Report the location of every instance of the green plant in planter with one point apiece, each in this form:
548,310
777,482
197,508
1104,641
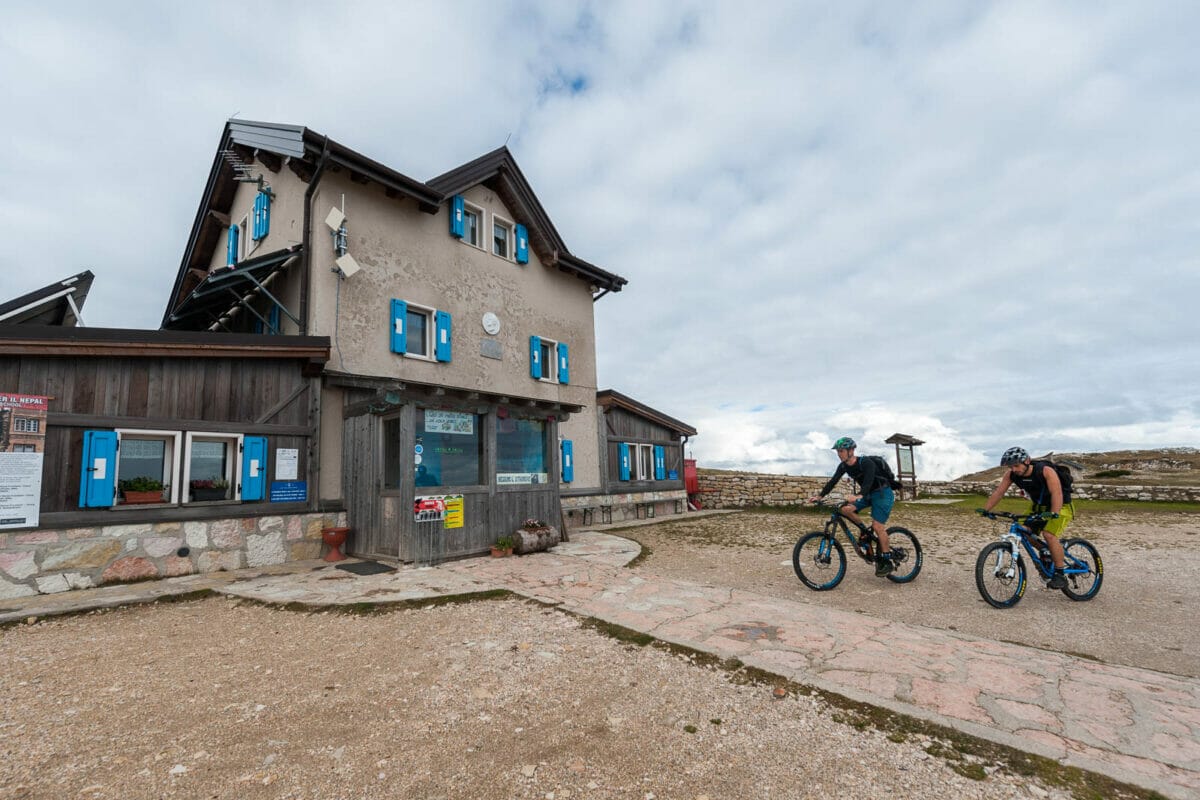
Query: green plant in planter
209,484
504,543
141,485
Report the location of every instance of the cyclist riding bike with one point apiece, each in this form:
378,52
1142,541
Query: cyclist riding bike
875,492
1041,484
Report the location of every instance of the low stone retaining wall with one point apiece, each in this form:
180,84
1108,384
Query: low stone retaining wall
46,561
597,509
749,489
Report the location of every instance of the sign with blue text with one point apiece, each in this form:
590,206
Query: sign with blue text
289,491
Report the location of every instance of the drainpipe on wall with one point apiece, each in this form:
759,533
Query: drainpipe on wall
308,195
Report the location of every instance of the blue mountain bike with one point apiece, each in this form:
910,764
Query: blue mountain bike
1000,569
820,560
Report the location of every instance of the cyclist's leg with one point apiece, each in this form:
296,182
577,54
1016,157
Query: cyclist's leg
850,511
882,501
1054,531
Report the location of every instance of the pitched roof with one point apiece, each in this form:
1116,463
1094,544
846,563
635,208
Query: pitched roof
58,303
306,152
608,397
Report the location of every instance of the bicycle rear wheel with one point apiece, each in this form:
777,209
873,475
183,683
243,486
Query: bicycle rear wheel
906,555
1081,553
819,561
1000,578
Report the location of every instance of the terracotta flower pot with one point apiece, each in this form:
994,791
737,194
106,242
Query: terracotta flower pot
501,552
335,538
132,498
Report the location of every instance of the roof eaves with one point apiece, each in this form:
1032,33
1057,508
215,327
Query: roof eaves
606,397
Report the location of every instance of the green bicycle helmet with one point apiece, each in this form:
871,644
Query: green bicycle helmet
845,443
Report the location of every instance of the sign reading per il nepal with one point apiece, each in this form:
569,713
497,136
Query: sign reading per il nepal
289,491
22,444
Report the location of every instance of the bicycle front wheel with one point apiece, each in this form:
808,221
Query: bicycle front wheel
1082,555
999,577
819,561
906,555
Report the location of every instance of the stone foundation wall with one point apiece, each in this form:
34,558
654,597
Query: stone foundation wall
46,561
749,489
601,509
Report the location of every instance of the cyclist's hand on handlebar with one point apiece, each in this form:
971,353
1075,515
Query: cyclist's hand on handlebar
983,512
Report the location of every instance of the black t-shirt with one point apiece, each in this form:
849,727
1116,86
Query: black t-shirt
1035,487
862,472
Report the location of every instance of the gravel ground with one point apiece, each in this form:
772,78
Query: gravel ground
217,698
1144,615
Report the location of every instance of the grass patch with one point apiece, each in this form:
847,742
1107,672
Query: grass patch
1018,506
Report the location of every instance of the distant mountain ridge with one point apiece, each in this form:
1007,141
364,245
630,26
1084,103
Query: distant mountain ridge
1169,466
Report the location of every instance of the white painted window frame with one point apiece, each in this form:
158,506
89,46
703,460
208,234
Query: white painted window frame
234,471
430,314
511,227
173,453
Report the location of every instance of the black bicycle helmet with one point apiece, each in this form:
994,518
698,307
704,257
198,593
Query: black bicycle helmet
1014,455
845,443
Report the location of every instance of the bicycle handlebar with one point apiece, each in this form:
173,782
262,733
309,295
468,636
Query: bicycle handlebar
1038,517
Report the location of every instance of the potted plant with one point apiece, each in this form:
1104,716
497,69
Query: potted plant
141,490
503,547
203,489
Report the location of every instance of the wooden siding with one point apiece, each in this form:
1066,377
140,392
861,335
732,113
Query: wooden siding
261,397
618,425
381,520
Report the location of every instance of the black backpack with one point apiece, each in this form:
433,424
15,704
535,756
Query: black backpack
1065,477
884,470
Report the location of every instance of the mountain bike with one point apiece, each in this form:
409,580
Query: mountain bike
820,560
1000,568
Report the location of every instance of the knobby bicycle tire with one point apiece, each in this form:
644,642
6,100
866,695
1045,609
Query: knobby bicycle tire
986,572
807,555
1083,587
907,556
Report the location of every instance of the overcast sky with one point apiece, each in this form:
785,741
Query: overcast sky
976,223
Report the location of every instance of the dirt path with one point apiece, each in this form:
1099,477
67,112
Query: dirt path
1144,615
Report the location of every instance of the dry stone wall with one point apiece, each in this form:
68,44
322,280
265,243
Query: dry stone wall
47,561
750,489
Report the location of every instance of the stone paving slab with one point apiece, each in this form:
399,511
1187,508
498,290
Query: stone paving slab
1135,725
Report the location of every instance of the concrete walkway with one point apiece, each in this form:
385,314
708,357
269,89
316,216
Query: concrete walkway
1134,725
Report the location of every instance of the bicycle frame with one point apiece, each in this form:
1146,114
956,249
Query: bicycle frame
1023,535
839,521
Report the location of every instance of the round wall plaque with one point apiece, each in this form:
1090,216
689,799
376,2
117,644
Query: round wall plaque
491,323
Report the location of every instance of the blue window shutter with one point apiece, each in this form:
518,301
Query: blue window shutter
564,372
522,245
399,321
623,456
442,347
255,215
273,319
97,474
568,461
254,467
265,216
457,206
231,247
660,463
535,357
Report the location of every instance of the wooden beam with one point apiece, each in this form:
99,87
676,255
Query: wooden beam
356,177
270,160
222,219
302,169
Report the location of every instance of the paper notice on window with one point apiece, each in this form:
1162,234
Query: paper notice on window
287,461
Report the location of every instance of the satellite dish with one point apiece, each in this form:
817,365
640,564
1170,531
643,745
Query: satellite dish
335,218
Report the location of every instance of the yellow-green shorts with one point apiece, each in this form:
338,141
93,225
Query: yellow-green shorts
1057,526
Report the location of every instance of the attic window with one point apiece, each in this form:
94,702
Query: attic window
502,237
472,225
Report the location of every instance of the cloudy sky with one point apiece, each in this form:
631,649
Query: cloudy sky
977,223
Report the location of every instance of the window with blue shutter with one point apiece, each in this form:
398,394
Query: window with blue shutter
231,247
623,457
97,477
522,245
254,467
442,329
535,357
399,317
568,461
660,463
273,319
262,215
456,216
563,370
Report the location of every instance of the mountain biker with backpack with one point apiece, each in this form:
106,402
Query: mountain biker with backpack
873,476
1048,487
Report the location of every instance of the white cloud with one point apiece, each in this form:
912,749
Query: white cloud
975,224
